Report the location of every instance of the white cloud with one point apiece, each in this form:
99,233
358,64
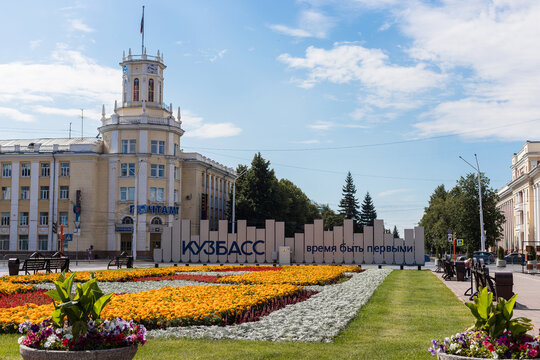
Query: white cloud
493,47
73,113
307,142
69,74
392,192
34,44
311,23
196,127
78,25
327,125
15,114
347,62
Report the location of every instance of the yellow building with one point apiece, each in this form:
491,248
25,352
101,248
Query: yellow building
117,192
520,200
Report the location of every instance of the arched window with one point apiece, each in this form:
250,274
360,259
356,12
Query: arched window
136,89
151,90
156,221
127,220
160,92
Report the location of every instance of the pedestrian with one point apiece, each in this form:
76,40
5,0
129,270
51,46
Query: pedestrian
90,253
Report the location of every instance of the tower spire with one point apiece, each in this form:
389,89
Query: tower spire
142,31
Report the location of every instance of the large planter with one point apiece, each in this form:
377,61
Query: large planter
501,263
457,357
531,266
122,353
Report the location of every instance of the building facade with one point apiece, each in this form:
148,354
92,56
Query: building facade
519,200
116,192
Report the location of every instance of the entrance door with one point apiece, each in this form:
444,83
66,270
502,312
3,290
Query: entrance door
155,240
125,242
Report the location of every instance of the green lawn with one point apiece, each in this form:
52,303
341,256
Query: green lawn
405,313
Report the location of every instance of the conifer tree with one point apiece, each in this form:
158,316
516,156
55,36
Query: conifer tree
396,232
368,213
348,206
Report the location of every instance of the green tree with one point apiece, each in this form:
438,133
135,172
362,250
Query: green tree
437,220
348,206
395,232
297,208
330,218
368,213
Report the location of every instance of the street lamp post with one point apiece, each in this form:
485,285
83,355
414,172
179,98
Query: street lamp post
234,201
482,233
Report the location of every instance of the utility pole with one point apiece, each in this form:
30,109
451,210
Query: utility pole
482,233
82,123
70,129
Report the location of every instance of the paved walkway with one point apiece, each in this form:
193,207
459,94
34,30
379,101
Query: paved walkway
526,286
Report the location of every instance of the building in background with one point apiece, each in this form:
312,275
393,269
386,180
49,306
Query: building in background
116,192
519,200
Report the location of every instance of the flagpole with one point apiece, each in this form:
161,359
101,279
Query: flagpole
142,30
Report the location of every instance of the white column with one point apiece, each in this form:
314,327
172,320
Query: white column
34,213
114,142
220,192
143,141
170,189
171,144
209,201
111,208
14,223
142,200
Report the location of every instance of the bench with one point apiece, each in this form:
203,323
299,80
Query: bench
38,263
61,264
480,278
33,264
449,270
122,260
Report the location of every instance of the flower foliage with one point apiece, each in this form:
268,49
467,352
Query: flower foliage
479,344
99,336
37,297
297,275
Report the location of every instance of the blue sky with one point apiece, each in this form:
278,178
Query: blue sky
393,91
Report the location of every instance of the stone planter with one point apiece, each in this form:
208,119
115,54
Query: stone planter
457,357
501,263
123,353
531,266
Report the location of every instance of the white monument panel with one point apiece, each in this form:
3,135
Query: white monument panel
204,237
318,241
194,258
232,258
378,241
308,242
212,256
419,245
166,244
388,244
338,243
270,240
409,243
358,242
368,244
222,230
348,240
242,227
328,243
251,235
176,245
289,241
399,257
186,238
280,234
299,249
260,236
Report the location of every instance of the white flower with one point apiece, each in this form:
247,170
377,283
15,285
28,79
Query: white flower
50,340
68,336
454,346
495,355
21,339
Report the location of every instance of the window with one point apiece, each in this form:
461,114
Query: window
64,169
25,192
4,242
4,220
23,219
45,170
127,220
157,170
43,218
127,169
128,146
136,89
25,169
6,193
176,173
151,90
23,242
63,217
127,193
6,170
44,193
156,194
175,195
43,241
64,192
156,221
157,147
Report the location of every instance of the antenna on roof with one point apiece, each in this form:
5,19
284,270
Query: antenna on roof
70,129
82,123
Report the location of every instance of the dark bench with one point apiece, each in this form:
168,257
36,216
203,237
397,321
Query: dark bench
33,264
122,260
480,278
449,270
37,262
57,264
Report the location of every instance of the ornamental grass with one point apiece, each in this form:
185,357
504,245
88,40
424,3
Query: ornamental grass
296,275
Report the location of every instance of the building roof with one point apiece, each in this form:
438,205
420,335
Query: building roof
87,144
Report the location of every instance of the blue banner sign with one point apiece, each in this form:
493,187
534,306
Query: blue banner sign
221,247
124,228
155,209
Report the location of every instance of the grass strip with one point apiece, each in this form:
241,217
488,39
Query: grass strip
404,314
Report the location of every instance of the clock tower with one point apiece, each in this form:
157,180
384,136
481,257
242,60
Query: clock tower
142,80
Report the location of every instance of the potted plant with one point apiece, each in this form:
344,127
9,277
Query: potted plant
495,335
500,257
75,329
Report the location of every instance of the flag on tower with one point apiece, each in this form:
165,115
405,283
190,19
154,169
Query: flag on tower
142,21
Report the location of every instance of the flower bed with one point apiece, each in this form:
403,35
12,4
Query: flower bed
37,297
7,288
317,319
297,275
186,277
